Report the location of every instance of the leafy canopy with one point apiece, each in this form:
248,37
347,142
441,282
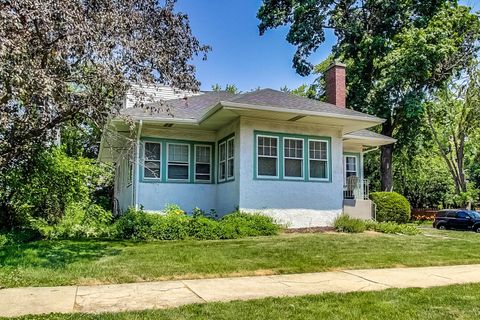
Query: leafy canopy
61,61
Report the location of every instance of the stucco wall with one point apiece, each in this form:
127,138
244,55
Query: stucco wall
295,203
154,196
227,193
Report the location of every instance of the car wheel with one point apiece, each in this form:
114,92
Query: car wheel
476,229
441,227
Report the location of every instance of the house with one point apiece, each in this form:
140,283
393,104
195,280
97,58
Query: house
296,159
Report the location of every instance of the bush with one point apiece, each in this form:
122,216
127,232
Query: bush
392,228
391,206
240,224
344,223
139,225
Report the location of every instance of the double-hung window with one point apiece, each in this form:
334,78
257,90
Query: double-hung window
293,158
318,159
152,160
230,158
203,163
222,161
178,161
226,162
267,156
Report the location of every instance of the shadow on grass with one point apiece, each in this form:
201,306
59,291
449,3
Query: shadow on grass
55,254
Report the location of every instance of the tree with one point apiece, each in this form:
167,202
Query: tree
396,53
230,88
67,61
453,119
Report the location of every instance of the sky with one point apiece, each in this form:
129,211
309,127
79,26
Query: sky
239,54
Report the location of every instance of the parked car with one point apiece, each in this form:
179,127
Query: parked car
457,219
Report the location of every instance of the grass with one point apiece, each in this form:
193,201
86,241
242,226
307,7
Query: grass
51,263
451,302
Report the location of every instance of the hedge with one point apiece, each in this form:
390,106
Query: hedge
391,206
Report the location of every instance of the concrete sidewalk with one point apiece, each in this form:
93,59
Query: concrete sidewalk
165,294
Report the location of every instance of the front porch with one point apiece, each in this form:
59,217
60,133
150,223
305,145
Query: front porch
356,202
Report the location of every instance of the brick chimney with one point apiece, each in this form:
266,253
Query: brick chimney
335,84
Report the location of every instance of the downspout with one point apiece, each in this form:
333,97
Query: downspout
137,164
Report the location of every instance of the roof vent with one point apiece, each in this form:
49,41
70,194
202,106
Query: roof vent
296,118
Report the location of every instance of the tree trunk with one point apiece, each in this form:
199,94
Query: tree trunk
386,175
386,158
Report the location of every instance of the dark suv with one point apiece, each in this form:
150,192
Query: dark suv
457,219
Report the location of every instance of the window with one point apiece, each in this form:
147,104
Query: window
318,159
178,159
226,160
222,161
293,158
203,163
462,215
230,159
350,166
267,156
151,168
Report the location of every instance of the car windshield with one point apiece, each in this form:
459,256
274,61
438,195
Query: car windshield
474,214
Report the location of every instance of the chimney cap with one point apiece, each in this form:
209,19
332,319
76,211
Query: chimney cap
336,63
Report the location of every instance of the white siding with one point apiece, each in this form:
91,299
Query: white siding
156,93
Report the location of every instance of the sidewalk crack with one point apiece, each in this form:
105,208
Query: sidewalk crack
369,280
191,290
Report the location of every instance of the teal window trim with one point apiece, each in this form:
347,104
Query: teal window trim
163,164
329,173
280,154
195,163
151,179
189,162
225,140
279,164
303,171
358,162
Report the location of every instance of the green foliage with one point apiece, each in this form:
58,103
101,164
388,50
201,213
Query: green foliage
139,225
344,223
53,183
173,209
397,53
392,228
391,206
80,222
240,224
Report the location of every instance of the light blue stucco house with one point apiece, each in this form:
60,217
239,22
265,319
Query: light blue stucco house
296,159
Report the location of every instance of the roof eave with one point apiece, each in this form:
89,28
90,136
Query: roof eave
236,105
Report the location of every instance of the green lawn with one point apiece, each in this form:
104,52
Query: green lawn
452,302
47,263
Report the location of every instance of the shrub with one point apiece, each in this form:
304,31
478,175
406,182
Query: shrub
392,228
79,222
391,206
344,223
139,225
240,224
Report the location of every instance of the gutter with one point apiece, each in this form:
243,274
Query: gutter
370,150
137,164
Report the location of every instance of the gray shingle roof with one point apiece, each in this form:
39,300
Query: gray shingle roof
196,107
369,135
